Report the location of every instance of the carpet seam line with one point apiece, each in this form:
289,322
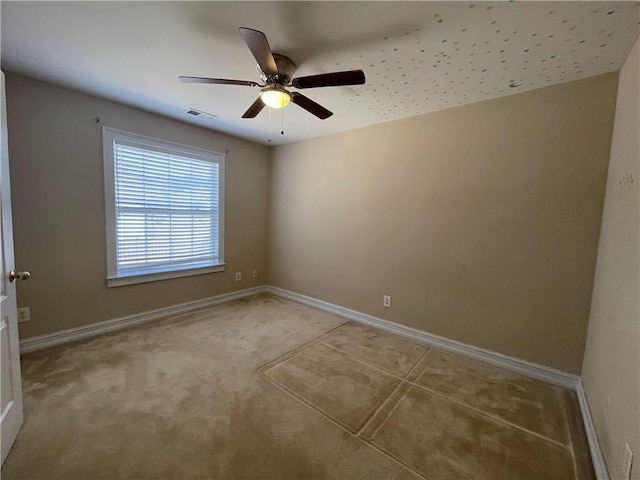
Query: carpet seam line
360,360
381,449
417,371
382,405
392,457
463,404
435,392
505,423
415,367
309,404
391,412
458,402
406,377
339,425
377,410
300,348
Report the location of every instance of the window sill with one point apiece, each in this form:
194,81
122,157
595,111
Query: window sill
154,277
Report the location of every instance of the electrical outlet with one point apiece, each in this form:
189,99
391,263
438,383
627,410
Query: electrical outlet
255,272
607,409
386,301
24,314
627,462
238,276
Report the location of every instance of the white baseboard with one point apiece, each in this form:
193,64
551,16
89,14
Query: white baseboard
597,458
524,367
529,369
72,334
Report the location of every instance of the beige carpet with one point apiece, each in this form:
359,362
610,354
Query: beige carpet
267,388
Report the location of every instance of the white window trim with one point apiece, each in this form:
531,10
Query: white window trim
109,135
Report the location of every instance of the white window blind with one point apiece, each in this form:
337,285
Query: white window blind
166,207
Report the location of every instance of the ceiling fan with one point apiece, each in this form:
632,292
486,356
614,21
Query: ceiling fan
276,71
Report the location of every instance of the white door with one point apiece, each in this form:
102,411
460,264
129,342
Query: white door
11,385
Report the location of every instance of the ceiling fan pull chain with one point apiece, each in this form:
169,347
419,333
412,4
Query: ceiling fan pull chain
276,72
282,125
269,127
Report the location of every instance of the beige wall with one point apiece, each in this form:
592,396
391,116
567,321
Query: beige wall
481,221
612,355
55,149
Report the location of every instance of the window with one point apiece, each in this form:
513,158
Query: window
164,207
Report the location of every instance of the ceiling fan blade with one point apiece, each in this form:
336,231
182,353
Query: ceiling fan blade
311,106
218,81
336,79
255,108
257,43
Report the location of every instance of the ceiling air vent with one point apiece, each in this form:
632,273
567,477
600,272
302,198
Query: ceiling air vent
200,113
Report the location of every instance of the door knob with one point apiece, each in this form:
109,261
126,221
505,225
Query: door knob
13,275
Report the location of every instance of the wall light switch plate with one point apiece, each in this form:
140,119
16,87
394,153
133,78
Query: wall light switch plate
255,272
386,301
24,314
238,276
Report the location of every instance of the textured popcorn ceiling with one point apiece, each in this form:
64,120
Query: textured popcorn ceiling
418,57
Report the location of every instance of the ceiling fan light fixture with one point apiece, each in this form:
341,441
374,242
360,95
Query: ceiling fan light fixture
276,71
275,97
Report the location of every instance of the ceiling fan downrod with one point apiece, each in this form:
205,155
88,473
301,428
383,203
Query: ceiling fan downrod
276,71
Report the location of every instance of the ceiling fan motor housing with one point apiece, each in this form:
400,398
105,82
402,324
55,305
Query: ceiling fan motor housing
286,69
276,71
